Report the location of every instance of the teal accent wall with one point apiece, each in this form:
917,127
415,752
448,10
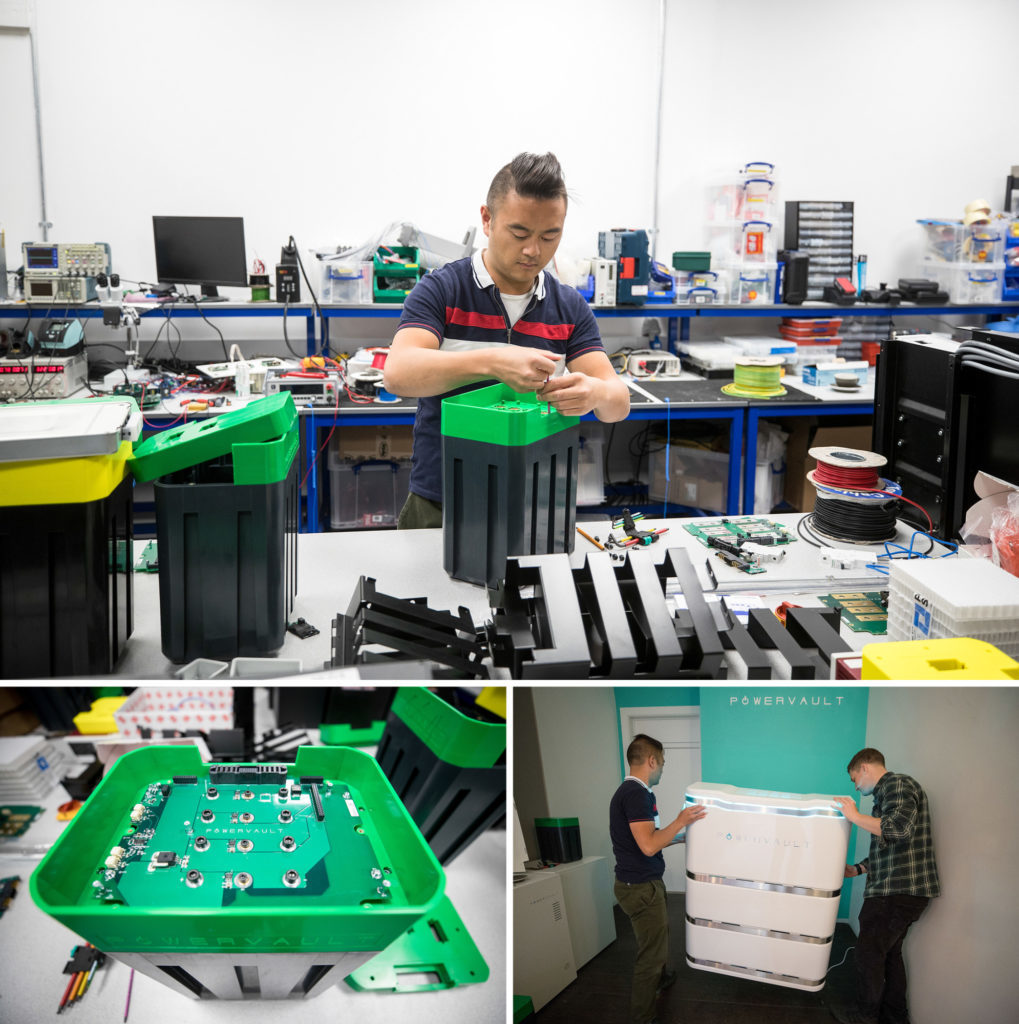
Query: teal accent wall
792,739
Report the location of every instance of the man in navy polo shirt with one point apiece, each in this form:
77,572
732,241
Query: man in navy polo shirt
499,316
637,842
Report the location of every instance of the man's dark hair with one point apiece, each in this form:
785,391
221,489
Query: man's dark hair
641,748
866,756
530,175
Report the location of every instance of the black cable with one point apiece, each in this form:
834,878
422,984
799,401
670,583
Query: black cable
286,337
197,304
870,523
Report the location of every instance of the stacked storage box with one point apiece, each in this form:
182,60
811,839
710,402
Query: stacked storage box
817,339
967,261
743,235
765,872
66,530
227,508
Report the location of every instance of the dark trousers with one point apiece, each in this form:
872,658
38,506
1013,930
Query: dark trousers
419,514
880,971
644,904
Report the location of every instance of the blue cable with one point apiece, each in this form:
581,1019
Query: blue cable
668,442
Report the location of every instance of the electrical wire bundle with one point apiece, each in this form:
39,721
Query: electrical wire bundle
756,377
854,505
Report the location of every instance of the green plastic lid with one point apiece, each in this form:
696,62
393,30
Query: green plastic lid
500,415
266,419
448,733
557,822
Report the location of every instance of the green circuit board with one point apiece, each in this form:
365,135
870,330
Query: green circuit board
863,612
739,529
245,836
726,537
16,818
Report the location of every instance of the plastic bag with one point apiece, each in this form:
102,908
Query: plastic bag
1005,535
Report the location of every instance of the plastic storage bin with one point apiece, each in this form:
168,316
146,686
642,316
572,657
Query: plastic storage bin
393,280
951,241
447,765
66,527
954,597
227,508
366,494
509,481
558,839
207,931
765,875
347,282
968,282
755,284
176,707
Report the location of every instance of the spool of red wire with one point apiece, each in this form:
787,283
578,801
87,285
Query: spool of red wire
847,468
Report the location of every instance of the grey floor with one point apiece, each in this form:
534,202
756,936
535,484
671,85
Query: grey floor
602,989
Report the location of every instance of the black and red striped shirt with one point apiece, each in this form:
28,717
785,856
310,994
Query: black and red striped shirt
460,304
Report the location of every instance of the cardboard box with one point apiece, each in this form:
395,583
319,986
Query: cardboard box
806,434
356,443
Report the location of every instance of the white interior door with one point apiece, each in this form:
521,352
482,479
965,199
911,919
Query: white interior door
678,729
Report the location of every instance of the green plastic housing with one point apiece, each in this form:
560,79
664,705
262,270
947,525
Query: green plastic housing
695,261
448,733
270,423
500,415
66,873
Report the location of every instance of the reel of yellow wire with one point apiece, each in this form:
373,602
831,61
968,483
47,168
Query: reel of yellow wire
756,377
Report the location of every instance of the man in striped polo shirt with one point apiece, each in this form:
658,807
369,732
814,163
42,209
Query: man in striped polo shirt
902,878
499,316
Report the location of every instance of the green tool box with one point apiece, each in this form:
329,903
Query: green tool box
227,514
244,881
509,481
448,765
392,281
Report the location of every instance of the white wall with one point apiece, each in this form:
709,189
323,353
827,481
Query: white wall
578,732
327,119
960,744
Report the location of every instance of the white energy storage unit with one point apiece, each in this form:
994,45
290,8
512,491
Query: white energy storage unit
764,875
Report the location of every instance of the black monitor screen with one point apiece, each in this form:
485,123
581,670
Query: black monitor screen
200,250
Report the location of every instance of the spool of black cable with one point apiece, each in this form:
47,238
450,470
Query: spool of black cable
857,522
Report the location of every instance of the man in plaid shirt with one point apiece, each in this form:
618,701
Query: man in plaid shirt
902,877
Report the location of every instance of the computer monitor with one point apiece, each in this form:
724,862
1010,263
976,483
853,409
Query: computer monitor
206,251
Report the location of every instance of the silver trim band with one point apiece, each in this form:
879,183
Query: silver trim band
767,933
751,972
795,812
746,883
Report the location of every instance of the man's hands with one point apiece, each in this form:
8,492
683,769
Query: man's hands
852,871
689,815
847,805
523,369
573,394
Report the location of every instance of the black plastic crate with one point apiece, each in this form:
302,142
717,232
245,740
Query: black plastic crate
227,562
65,586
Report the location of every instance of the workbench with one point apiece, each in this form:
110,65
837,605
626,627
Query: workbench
409,564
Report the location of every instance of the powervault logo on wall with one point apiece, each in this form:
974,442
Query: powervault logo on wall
792,700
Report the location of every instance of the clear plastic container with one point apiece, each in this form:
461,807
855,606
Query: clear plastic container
755,284
968,282
757,241
951,241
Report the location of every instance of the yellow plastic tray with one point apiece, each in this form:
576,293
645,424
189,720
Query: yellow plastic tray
63,481
949,658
